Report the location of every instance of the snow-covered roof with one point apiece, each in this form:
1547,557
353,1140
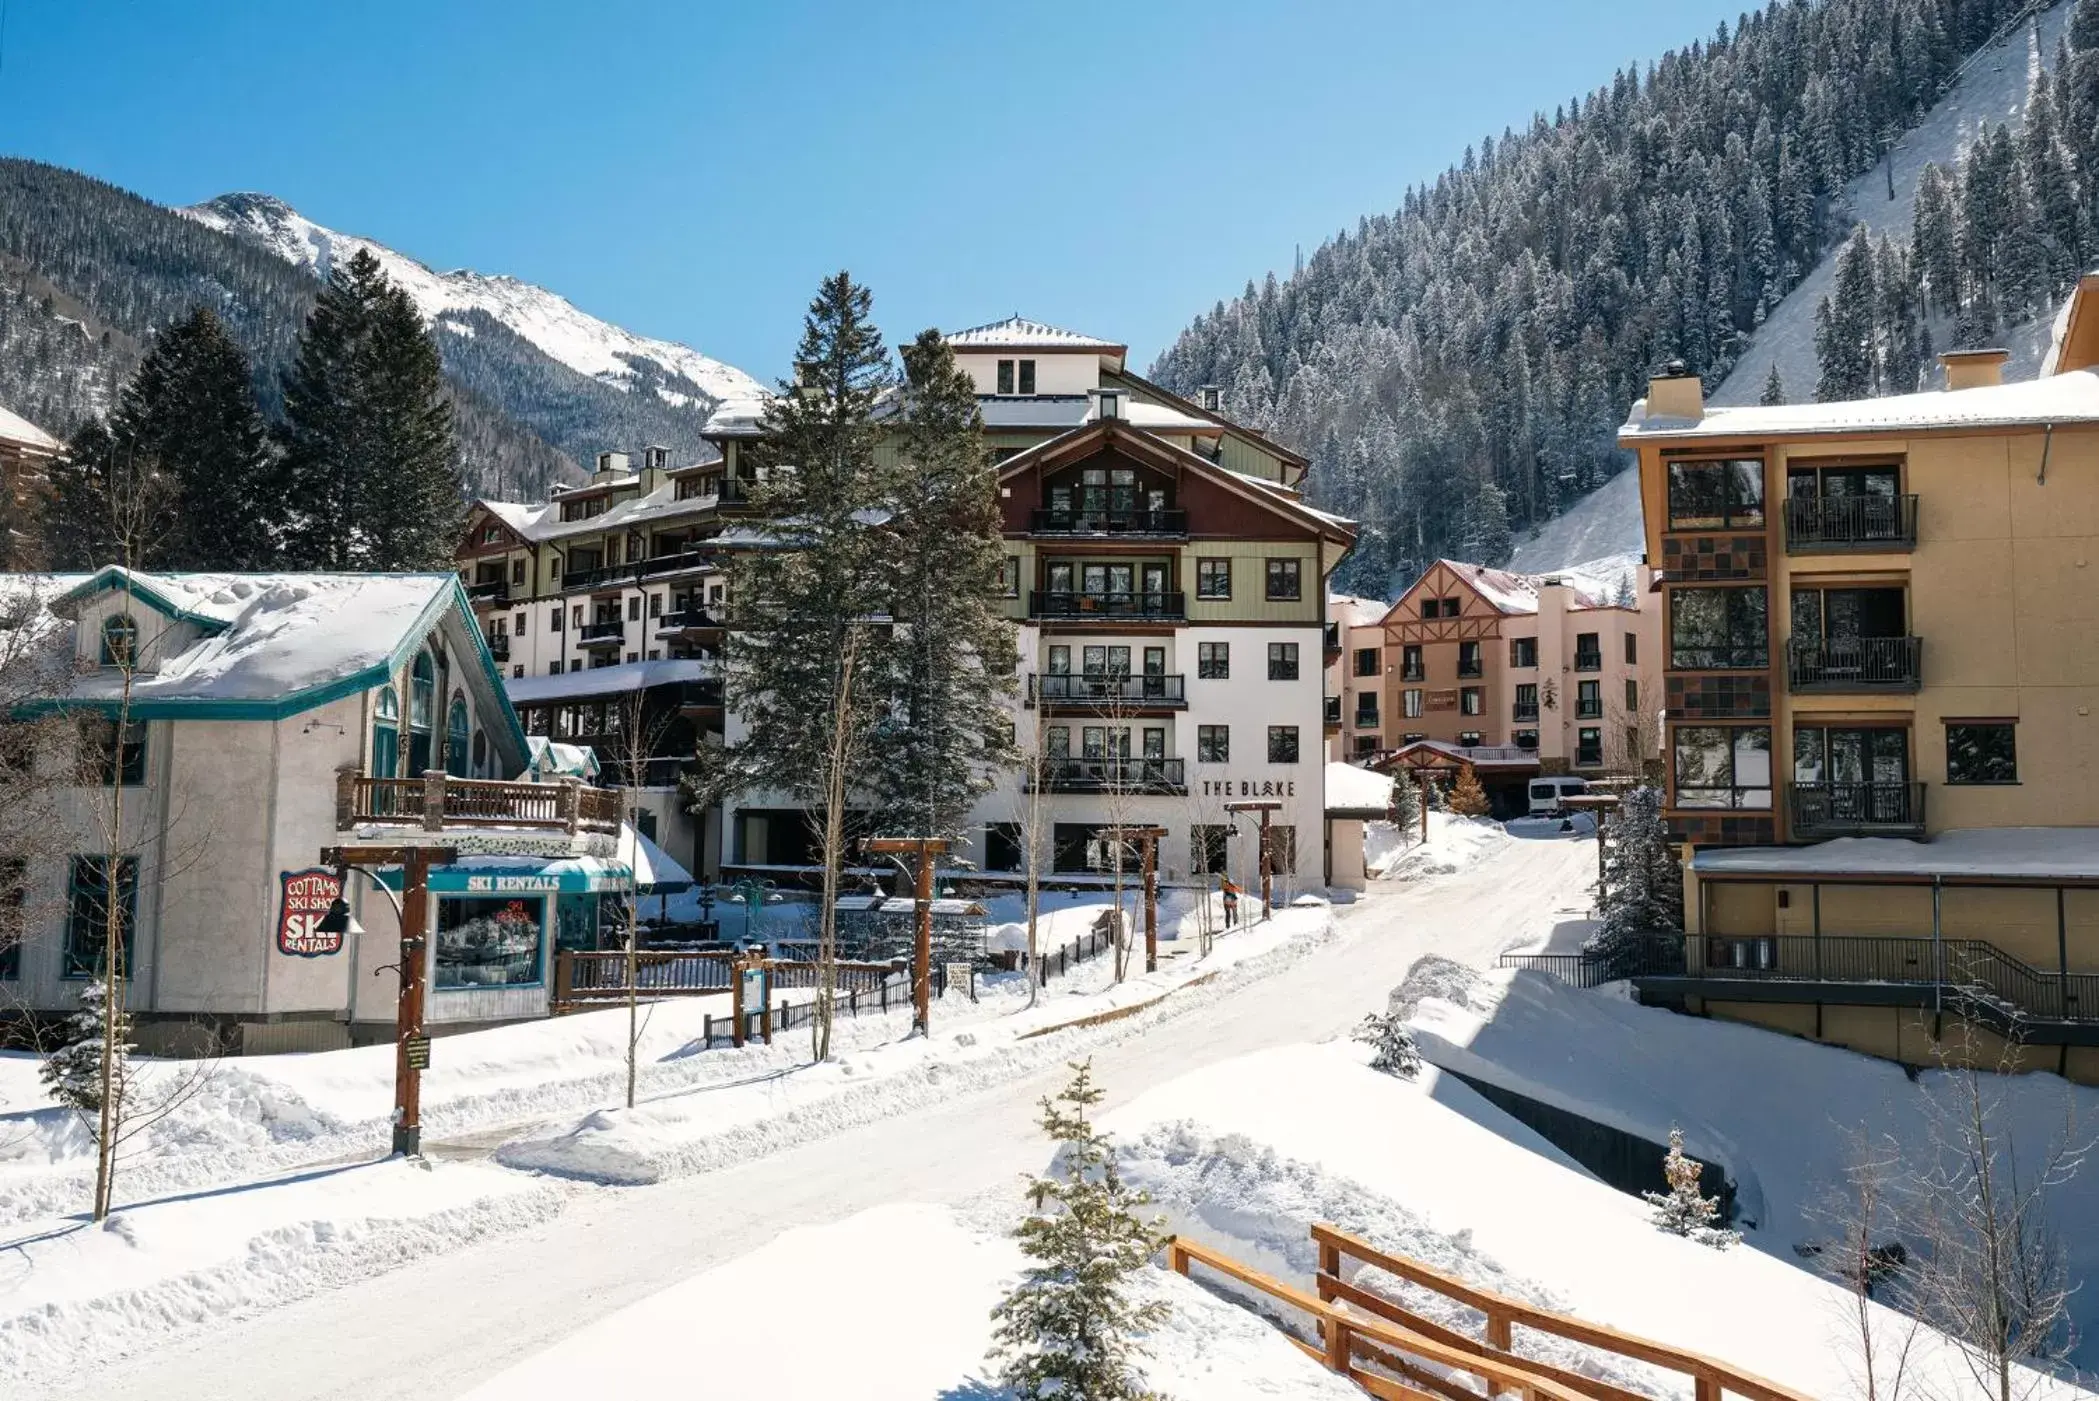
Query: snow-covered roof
538,521
1484,756
1019,332
1509,592
655,873
553,760
1351,611
1062,411
742,416
606,680
2055,399
20,432
1352,792
2022,853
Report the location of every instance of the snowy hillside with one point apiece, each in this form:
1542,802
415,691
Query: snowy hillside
569,336
1604,523
1992,88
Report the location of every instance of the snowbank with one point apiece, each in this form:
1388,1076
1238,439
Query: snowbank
904,1297
1246,1154
1454,844
72,1290
695,1132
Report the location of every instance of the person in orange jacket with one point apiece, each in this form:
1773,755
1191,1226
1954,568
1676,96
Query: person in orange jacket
1231,900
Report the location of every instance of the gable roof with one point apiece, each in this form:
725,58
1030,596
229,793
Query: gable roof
1085,441
1229,425
20,432
1504,591
1019,333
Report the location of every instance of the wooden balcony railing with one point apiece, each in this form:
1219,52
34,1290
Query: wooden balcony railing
1816,811
1854,664
1051,603
1824,524
438,801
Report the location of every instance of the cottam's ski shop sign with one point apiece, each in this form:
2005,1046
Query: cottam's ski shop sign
307,896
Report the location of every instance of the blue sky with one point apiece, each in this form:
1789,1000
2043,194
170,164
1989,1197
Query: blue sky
689,170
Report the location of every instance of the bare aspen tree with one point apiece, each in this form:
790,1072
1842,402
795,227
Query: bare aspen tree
840,759
639,735
1868,1259
1035,838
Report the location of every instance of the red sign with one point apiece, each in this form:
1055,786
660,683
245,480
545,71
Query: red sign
307,896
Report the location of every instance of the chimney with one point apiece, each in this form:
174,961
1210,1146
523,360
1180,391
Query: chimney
610,465
1675,393
1211,398
1974,369
655,457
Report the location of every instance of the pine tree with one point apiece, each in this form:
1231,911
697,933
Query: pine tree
953,655
1844,340
1467,798
1774,388
1069,1330
1642,886
108,502
1392,1045
72,1073
1684,1210
369,454
1406,804
191,409
1622,593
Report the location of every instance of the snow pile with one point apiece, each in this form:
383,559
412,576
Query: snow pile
855,1275
1351,788
75,1290
687,1133
1737,1092
1454,844
1248,1153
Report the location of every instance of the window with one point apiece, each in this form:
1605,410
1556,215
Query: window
1470,663
1009,576
634,608
1632,696
517,572
1471,739
1056,743
1588,651
553,668
1004,846
1366,661
1718,629
1982,751
554,619
1632,649
1213,744
480,754
1410,664
517,625
1525,739
1282,661
422,707
1410,704
1412,737
1366,710
1472,700
1526,707
487,943
1282,744
93,903
1060,660
386,734
578,618
1213,661
1720,766
1588,700
1285,580
1431,608
1716,495
457,760
103,760
1282,850
1005,376
1852,758
1588,747
1206,848
119,640
1365,745
1027,376
1213,578
655,605
1523,651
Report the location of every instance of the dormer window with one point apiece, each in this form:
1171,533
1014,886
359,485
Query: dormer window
1111,403
119,640
1016,376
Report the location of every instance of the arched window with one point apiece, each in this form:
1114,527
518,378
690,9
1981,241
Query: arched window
386,734
422,702
119,640
456,738
481,754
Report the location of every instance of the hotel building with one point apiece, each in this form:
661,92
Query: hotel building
1882,669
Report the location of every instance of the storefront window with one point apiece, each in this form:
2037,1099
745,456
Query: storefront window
575,923
484,942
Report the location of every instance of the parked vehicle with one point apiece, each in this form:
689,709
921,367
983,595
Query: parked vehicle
1549,794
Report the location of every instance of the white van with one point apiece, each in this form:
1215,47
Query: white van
1548,794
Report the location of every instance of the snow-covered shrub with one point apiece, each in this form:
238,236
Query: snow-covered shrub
1643,890
1392,1045
73,1072
1684,1210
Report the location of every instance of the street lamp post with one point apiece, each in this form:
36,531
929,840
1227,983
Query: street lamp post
1264,807
926,850
1147,840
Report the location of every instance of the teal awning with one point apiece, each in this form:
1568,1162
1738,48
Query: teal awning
522,875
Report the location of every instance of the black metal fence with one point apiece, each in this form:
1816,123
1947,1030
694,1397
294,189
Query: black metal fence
1854,664
1851,523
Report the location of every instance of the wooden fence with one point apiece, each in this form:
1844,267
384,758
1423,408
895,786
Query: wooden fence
1413,1356
437,801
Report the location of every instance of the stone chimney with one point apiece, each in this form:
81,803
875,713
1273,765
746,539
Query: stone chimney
1675,393
1974,369
610,465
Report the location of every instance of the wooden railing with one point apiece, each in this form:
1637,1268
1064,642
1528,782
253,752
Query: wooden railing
1711,1378
437,801
584,979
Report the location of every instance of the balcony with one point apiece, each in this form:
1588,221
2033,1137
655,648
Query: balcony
1524,710
1330,641
678,563
1819,811
1586,708
1366,719
1169,776
1128,521
599,633
1853,664
688,618
1828,525
705,694
1333,713
1413,673
734,495
1588,661
609,576
437,802
489,591
1145,690
499,646
1107,606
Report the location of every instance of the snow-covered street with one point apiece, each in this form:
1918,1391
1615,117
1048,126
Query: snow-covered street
445,1322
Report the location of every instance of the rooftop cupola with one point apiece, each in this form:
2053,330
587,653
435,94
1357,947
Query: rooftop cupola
1974,369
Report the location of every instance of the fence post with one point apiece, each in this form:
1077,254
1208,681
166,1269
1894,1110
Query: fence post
1336,1329
1499,1337
345,799
571,805
564,980
434,800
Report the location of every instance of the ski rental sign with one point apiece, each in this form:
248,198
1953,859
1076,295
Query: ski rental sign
304,897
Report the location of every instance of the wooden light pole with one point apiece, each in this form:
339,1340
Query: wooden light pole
926,850
1147,839
1264,807
411,1045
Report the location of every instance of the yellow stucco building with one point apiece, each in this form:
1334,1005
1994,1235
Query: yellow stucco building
1881,672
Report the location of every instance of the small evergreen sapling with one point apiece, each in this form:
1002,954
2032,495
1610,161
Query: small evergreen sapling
1069,1328
73,1072
1406,804
1392,1045
1683,1210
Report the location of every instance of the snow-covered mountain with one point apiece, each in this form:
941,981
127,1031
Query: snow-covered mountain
678,374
